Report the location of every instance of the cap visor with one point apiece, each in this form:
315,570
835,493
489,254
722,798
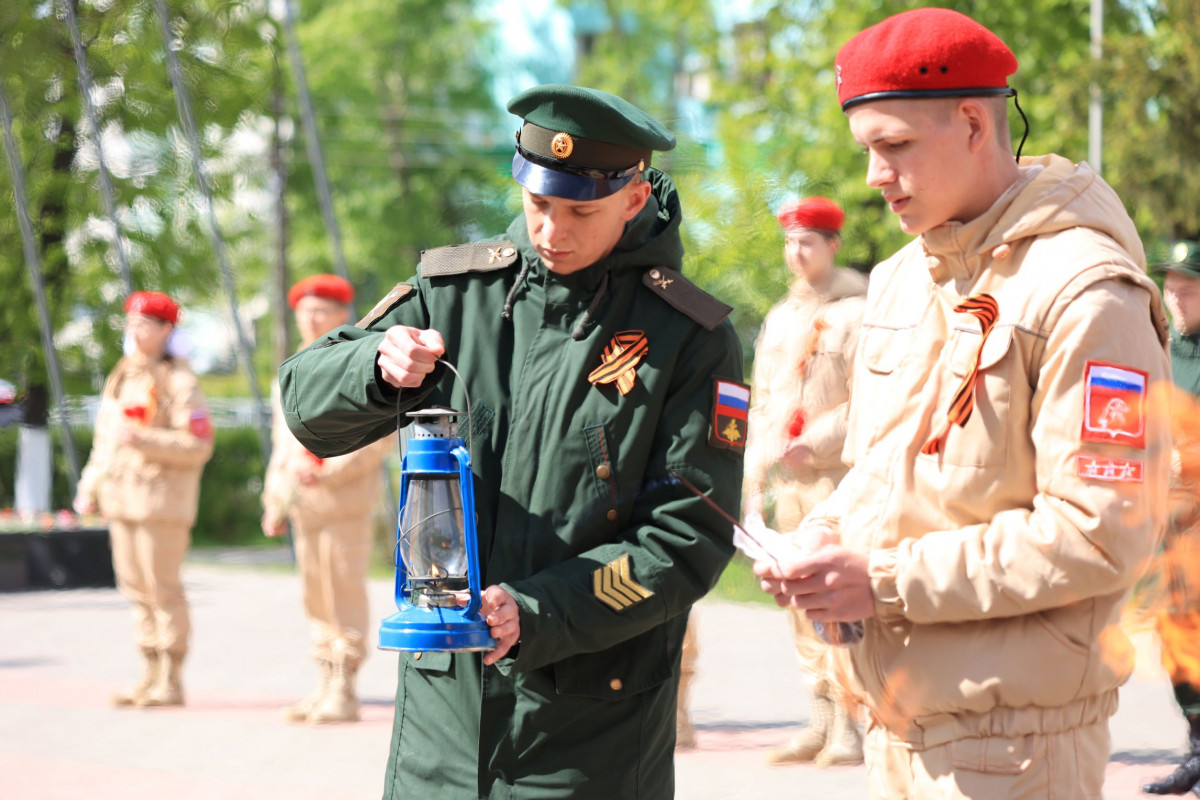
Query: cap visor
545,181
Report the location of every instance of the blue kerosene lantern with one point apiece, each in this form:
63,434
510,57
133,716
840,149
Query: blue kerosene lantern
436,551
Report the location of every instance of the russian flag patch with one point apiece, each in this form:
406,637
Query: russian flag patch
731,406
1114,404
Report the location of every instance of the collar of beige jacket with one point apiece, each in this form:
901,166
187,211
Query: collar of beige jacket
956,249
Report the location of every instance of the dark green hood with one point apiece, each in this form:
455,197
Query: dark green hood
651,239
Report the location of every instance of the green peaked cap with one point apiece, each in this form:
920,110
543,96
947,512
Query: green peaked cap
1184,258
592,114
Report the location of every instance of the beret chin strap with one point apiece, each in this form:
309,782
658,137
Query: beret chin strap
1024,119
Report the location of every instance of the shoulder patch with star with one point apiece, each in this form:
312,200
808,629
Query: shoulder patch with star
457,259
731,407
686,297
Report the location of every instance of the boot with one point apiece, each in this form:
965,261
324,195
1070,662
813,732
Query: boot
844,745
300,711
811,742
168,688
1187,775
340,703
149,674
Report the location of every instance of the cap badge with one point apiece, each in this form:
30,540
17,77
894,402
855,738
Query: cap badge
562,145
839,77
1181,251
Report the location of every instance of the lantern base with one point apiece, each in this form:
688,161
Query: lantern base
417,630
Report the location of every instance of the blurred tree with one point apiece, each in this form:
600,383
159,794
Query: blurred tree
221,52
416,147
1151,82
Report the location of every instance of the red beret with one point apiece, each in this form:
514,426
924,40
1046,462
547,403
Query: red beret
928,52
820,213
153,304
331,287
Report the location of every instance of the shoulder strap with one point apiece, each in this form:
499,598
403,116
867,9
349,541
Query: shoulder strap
457,259
686,297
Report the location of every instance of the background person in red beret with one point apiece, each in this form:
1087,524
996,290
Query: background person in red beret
1008,434
801,385
153,436
329,504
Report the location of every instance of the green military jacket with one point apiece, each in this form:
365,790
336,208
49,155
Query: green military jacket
1185,362
573,494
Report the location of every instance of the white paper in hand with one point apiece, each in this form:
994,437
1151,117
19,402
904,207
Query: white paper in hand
760,542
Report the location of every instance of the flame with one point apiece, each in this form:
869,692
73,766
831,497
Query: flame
436,572
1180,636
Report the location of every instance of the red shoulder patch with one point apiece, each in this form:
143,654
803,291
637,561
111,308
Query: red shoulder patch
731,407
1114,404
200,424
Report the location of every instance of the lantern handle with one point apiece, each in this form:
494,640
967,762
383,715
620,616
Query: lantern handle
470,438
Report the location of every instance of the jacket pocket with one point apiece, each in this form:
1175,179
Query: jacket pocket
984,440
997,755
621,671
603,473
430,661
883,349
481,423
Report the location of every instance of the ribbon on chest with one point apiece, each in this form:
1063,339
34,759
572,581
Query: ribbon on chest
985,309
620,360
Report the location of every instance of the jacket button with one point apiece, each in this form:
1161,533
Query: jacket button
615,684
612,515
603,472
655,274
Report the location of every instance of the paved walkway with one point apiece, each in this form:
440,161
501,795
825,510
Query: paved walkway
63,653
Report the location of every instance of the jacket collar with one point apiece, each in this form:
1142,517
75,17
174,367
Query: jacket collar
959,250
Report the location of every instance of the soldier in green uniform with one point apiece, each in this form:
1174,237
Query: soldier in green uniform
595,370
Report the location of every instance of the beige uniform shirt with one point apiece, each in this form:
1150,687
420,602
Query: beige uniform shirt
156,477
1000,564
802,364
347,486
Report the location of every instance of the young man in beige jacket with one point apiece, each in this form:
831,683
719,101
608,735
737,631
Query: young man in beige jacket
1008,434
802,364
152,438
329,502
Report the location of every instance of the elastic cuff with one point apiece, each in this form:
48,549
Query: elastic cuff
882,568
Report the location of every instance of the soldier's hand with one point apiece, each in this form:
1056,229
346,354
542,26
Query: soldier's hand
273,524
832,584
407,355
797,456
500,611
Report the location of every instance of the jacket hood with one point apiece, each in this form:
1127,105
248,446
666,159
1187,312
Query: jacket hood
651,239
1053,194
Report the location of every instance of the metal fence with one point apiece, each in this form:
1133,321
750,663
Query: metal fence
227,412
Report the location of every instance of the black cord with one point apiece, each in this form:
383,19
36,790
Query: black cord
1024,119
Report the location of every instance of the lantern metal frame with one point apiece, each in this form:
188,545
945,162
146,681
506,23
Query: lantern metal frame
419,628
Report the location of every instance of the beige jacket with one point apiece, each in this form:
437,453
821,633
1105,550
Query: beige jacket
156,477
347,487
802,366
1000,565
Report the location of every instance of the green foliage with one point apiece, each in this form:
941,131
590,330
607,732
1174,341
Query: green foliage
414,142
222,58
230,491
